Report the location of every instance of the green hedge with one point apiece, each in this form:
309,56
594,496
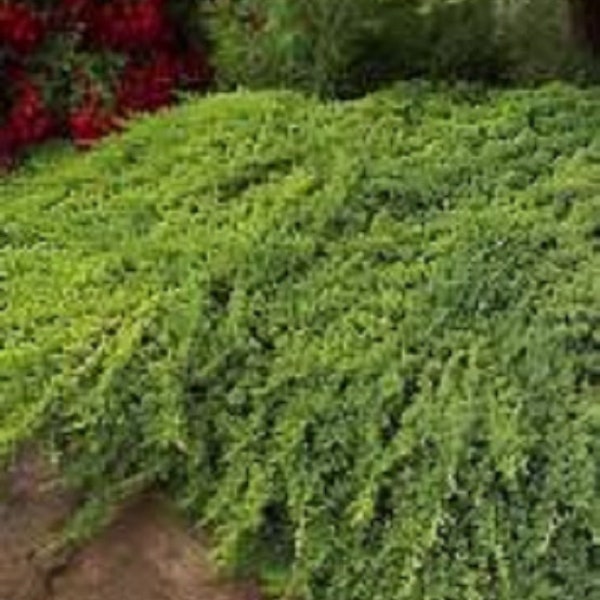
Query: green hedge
344,47
358,341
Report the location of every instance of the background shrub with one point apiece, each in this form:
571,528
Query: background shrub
539,42
438,39
361,337
332,47
309,44
347,47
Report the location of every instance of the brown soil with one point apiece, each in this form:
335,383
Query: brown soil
146,554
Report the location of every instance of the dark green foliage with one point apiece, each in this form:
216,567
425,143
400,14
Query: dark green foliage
344,47
311,45
437,38
360,337
539,42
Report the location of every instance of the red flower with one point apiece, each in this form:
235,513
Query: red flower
88,124
131,25
140,30
148,86
20,27
91,120
29,120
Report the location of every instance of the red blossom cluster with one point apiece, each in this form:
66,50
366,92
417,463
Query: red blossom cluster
131,25
29,120
91,120
155,61
21,28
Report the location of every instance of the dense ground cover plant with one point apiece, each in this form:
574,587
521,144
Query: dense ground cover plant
362,337
81,66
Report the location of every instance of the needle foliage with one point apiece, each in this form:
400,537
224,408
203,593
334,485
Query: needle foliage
359,340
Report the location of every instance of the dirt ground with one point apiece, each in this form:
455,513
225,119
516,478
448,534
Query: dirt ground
146,554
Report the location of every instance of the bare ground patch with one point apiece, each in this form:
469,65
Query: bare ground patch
146,553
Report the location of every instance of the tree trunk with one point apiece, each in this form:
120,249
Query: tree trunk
585,20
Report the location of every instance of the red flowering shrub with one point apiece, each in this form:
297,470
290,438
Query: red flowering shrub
20,27
29,119
148,84
90,119
128,26
77,67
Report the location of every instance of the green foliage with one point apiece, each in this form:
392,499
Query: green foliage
538,42
444,39
310,45
357,339
344,47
